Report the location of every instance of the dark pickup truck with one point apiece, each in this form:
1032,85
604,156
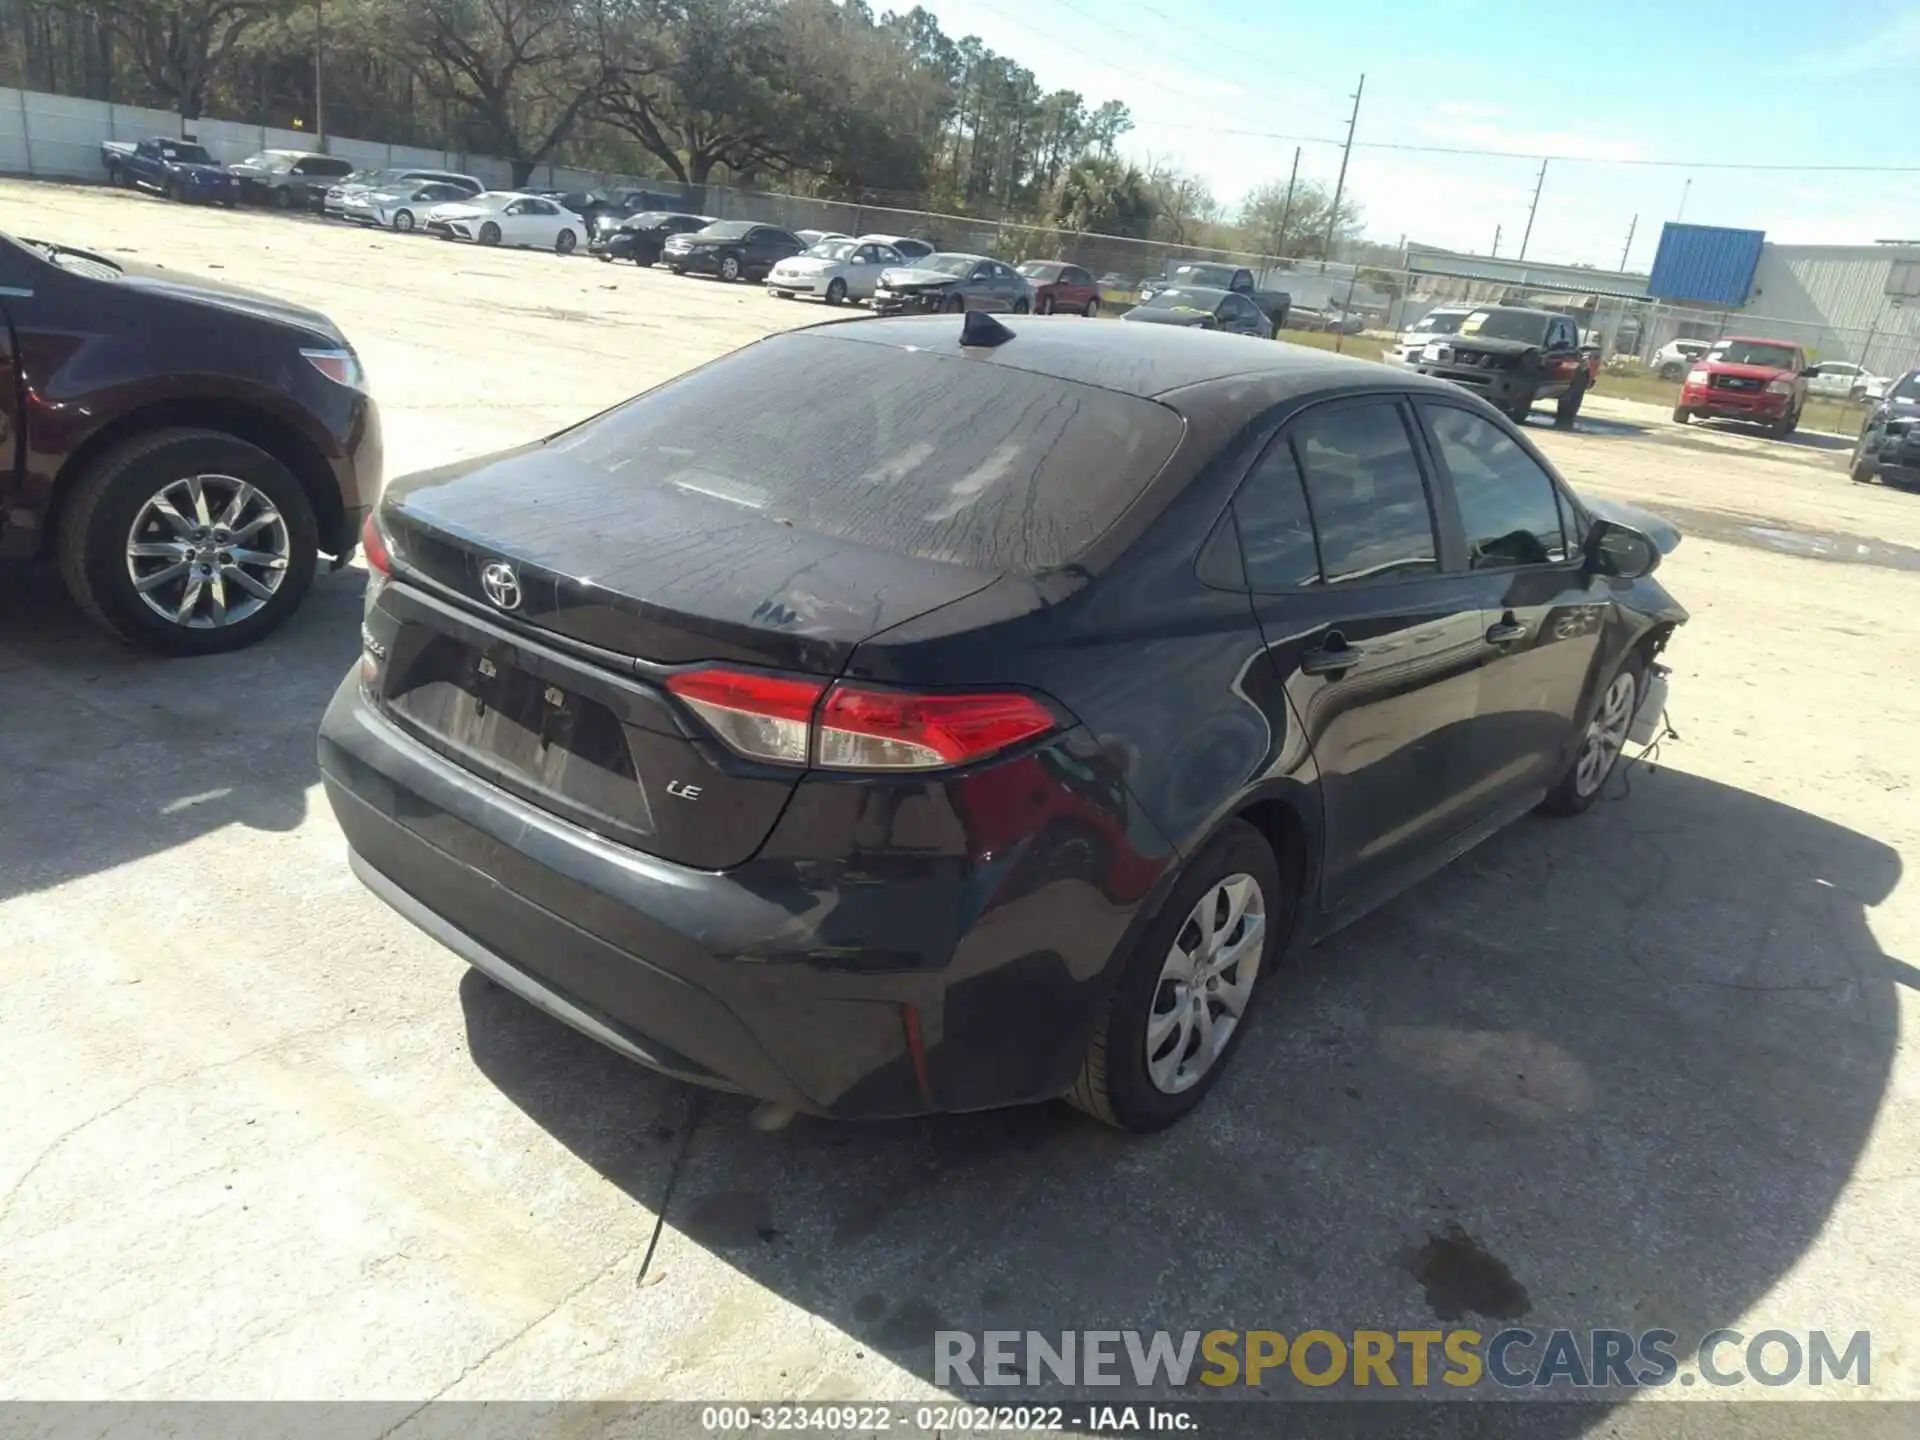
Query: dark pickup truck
178,169
1515,357
1209,275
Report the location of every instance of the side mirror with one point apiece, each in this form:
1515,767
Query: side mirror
1620,551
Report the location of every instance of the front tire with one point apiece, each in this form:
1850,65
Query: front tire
1020,307
403,221
1093,308
1179,1007
837,292
1044,305
729,268
1681,415
283,199
954,305
188,542
489,234
1600,747
1521,407
1862,470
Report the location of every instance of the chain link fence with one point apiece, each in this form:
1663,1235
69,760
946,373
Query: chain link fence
59,136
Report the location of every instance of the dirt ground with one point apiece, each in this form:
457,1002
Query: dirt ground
263,1139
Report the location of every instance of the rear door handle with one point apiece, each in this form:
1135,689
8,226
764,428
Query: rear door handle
1506,632
1334,656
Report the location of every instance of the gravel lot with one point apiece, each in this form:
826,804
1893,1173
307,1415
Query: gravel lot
265,1140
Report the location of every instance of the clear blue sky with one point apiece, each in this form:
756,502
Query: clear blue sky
1777,81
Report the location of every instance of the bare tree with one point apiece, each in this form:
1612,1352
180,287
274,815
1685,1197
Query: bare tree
178,46
519,73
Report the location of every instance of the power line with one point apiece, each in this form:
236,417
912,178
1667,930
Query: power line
1336,142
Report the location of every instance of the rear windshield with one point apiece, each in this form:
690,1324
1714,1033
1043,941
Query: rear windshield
728,229
931,455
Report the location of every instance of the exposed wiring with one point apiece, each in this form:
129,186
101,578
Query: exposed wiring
1649,756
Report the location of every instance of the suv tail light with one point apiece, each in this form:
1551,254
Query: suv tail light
373,545
850,727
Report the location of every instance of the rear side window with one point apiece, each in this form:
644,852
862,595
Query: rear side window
1369,502
1276,530
1508,507
936,456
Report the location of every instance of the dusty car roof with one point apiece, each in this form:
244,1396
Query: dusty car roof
1144,360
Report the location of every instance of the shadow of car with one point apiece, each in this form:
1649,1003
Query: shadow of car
1632,1063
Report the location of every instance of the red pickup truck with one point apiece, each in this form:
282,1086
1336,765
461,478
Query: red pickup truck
1763,381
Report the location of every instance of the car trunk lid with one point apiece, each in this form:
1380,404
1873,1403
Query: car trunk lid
539,661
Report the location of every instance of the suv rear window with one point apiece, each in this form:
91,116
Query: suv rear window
931,455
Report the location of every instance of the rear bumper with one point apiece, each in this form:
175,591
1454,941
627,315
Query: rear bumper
954,984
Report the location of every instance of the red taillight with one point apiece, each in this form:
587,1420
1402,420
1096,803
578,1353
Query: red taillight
772,717
374,546
891,730
766,717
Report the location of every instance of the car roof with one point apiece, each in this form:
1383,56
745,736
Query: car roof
1142,360
1756,340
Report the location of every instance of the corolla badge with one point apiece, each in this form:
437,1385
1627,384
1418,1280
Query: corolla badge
501,585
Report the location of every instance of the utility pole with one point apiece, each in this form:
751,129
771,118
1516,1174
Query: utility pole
1340,185
1286,210
1496,243
319,68
1628,248
1537,185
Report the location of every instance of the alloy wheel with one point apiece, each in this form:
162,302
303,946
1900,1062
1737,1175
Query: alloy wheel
1205,983
207,551
403,221
1606,734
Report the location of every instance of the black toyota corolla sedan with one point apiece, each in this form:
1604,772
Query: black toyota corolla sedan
981,714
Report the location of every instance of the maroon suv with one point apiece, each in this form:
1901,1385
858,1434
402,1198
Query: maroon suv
185,451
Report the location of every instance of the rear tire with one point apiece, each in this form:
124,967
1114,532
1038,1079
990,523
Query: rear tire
97,529
1568,410
1116,1083
564,242
1020,307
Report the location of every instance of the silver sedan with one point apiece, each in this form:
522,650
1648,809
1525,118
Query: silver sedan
952,283
834,271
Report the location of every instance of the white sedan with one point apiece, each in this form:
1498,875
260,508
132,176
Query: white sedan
505,217
834,270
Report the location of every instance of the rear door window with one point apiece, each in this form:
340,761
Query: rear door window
1367,495
918,453
1276,528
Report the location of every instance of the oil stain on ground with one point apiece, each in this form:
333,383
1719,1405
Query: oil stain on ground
1459,1275
1763,534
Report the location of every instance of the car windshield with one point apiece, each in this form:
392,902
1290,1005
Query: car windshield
1753,352
1505,325
645,220
1039,270
1907,387
906,451
1184,299
364,177
185,154
1439,324
961,265
267,160
726,230
833,250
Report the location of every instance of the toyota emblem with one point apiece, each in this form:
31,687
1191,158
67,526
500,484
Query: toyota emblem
501,584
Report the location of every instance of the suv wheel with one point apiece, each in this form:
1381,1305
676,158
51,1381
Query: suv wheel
1181,1002
188,541
1681,414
